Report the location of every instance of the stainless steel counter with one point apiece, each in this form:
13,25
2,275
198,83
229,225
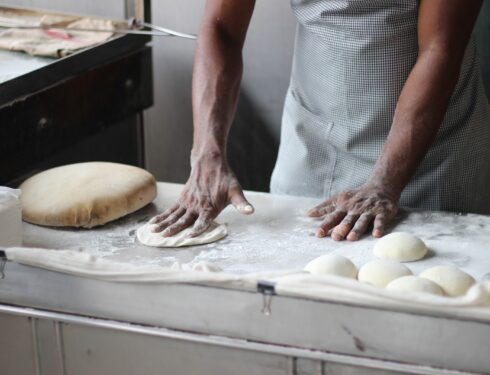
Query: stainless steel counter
85,326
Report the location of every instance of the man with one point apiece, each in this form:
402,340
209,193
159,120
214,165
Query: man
385,106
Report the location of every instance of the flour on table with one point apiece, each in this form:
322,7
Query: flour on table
215,233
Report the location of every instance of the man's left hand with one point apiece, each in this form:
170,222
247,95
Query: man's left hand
349,214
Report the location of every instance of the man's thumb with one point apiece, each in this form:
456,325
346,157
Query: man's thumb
241,204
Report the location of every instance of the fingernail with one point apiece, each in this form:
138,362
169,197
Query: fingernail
152,220
245,208
352,237
320,233
154,229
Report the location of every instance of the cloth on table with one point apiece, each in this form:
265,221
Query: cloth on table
294,283
57,43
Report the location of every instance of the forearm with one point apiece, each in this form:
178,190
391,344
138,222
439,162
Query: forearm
419,113
444,29
216,82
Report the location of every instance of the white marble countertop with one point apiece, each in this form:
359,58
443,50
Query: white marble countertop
278,236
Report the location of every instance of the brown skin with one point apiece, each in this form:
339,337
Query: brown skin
444,28
218,68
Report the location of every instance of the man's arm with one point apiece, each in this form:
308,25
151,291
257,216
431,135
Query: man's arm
444,28
215,88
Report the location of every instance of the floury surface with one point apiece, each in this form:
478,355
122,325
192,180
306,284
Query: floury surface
278,236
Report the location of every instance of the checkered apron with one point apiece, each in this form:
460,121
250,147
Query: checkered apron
352,58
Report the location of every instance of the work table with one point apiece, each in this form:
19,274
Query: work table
278,236
82,324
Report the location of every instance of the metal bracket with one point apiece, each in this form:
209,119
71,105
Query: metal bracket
3,263
268,289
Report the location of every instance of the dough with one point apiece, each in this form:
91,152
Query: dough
381,272
415,284
452,280
215,233
332,264
400,246
86,194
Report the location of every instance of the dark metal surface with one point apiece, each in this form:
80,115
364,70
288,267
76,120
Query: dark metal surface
70,66
77,106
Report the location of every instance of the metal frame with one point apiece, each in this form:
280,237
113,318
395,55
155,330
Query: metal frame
296,354
359,333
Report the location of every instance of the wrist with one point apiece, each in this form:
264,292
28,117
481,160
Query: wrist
385,186
207,155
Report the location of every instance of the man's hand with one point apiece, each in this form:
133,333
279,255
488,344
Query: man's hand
218,67
211,187
349,214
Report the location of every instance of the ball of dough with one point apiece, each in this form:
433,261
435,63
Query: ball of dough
86,194
415,284
400,246
332,264
452,280
381,272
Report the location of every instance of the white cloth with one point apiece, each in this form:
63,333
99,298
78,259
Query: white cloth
295,283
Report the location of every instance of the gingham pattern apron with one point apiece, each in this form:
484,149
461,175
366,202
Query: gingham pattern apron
352,58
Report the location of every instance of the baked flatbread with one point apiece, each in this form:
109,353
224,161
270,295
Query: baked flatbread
86,194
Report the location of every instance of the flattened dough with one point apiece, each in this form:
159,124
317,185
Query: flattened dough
86,194
451,279
381,272
415,284
215,233
332,264
400,246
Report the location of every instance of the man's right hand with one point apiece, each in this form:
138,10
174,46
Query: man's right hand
218,67
211,187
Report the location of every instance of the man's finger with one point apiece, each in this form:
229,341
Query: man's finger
202,224
331,220
360,228
322,209
239,201
159,218
342,230
184,222
172,218
379,225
